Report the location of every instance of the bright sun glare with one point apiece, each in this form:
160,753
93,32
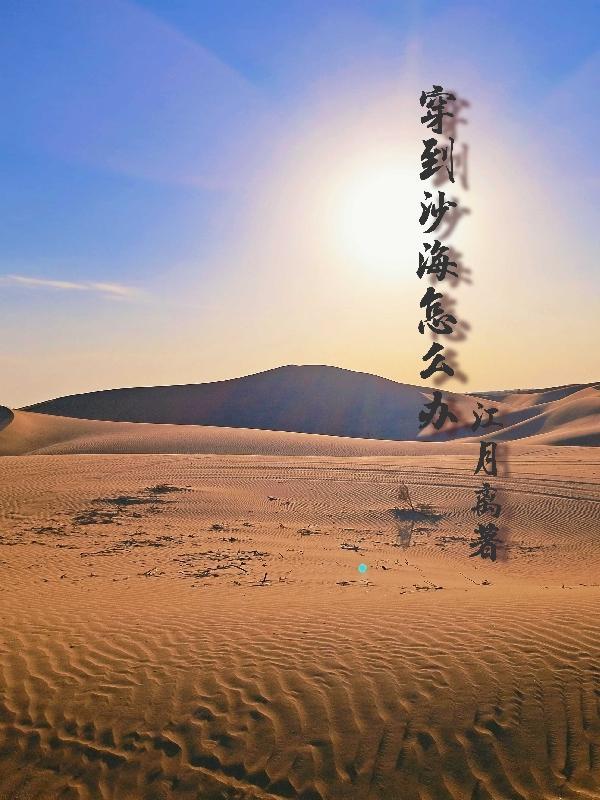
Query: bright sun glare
376,215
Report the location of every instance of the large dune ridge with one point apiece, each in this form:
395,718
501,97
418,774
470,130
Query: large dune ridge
300,399
182,616
327,401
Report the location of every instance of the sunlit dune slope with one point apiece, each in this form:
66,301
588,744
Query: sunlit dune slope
32,433
573,419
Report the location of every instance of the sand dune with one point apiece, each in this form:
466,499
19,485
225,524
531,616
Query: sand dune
572,420
334,402
306,399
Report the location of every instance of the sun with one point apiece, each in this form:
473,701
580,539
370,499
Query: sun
375,215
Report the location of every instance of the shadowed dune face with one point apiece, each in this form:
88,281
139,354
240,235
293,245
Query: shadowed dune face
6,417
324,400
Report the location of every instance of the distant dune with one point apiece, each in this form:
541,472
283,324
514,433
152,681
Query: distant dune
291,410
309,399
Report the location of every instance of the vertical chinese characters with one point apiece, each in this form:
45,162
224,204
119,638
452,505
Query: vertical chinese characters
437,210
442,163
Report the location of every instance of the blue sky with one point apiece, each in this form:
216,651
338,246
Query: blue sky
138,139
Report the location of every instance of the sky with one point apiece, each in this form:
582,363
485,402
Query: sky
195,191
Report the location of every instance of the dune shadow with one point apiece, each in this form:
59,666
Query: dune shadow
6,417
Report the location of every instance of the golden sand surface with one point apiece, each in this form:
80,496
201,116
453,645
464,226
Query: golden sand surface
194,625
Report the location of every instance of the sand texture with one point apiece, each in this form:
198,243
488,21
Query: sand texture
182,615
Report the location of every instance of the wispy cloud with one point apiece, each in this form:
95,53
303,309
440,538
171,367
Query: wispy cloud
114,290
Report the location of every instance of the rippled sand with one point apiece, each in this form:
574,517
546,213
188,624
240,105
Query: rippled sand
213,638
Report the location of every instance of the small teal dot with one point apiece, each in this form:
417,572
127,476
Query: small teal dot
362,567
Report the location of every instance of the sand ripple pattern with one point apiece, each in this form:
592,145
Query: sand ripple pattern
132,667
418,701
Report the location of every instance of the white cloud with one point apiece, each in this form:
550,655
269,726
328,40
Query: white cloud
114,290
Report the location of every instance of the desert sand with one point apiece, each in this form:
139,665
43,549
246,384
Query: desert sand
182,614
